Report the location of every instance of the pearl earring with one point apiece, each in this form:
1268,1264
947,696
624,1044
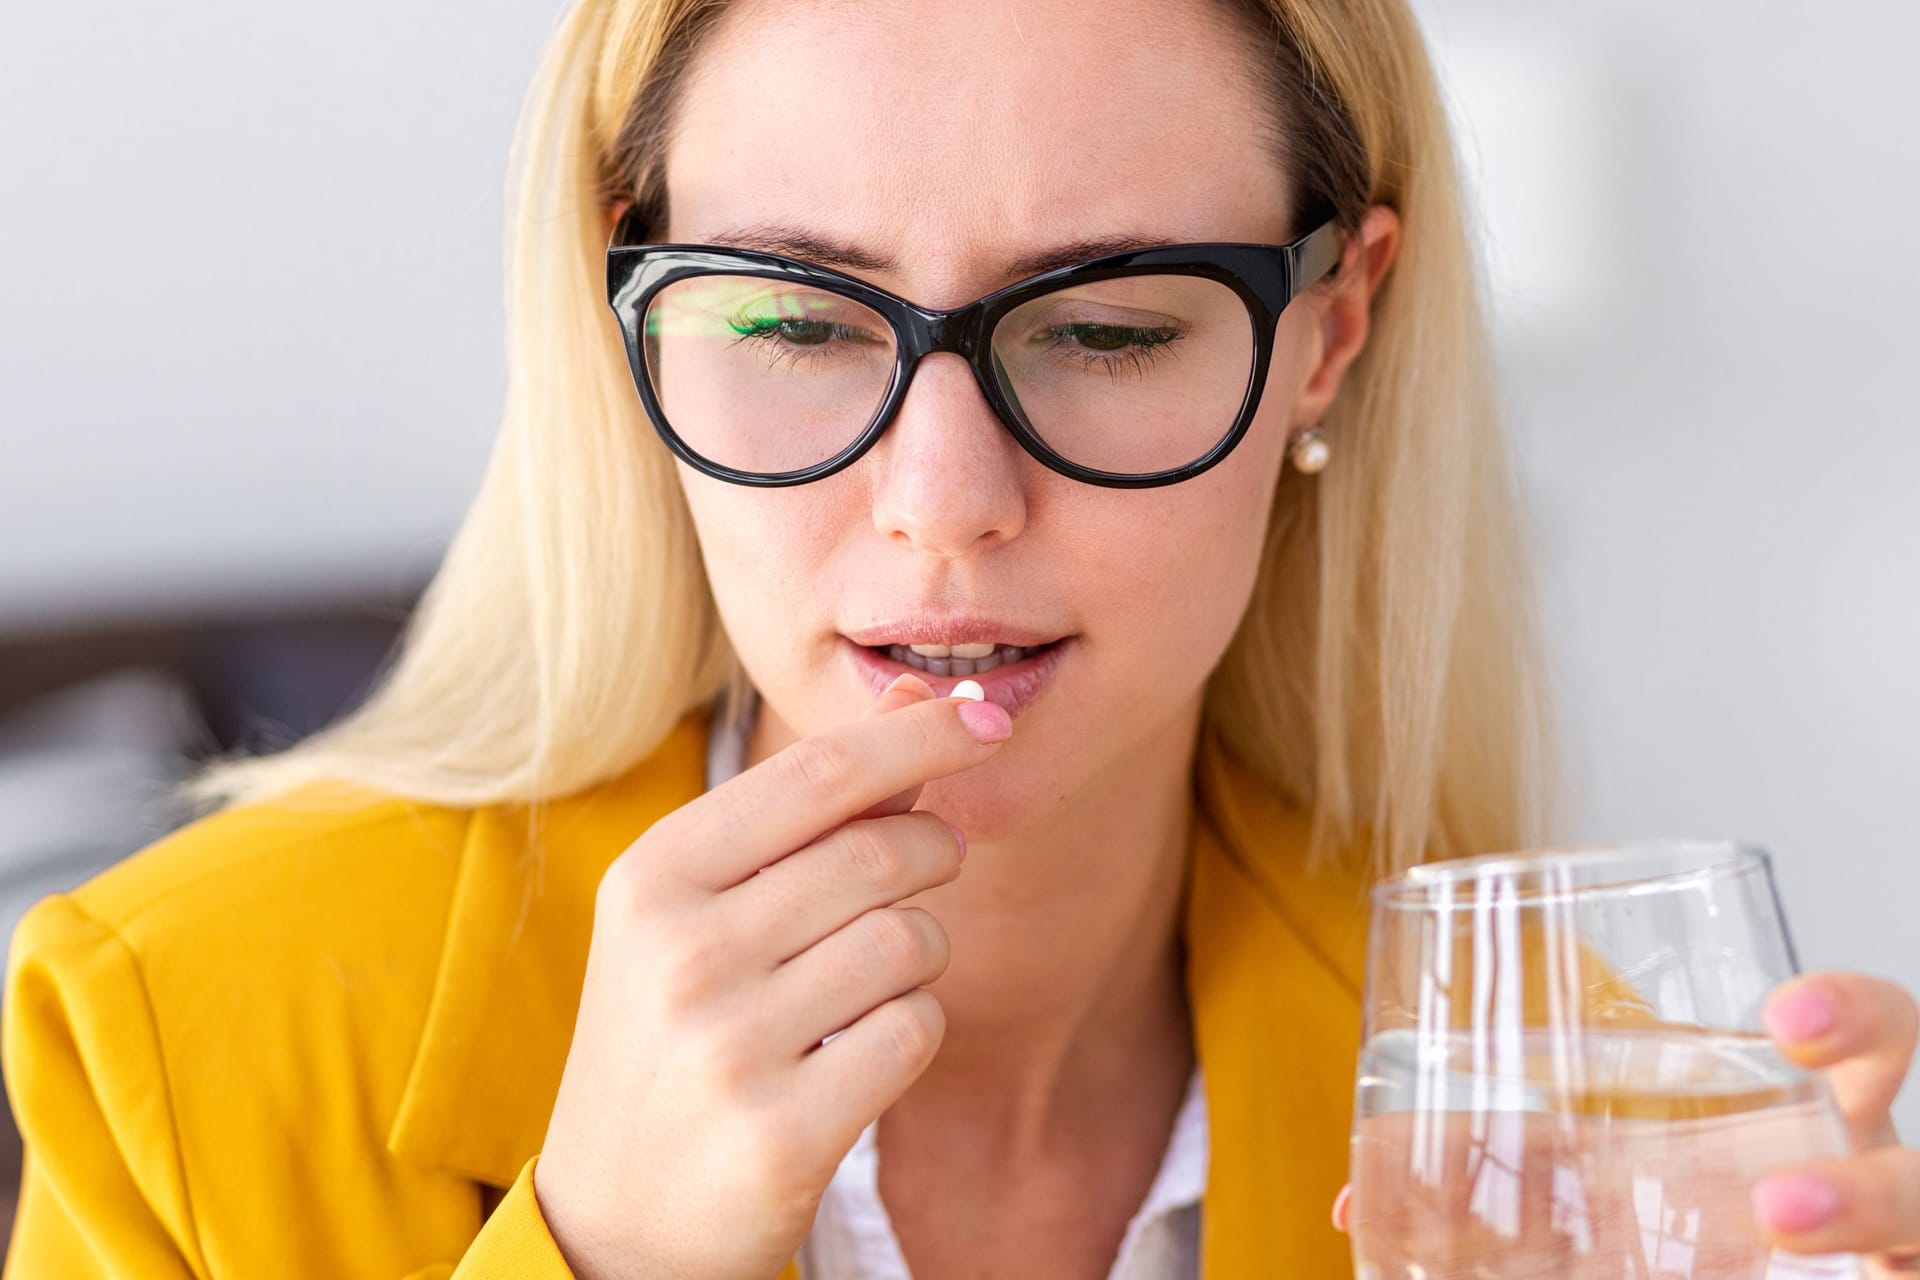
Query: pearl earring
1310,452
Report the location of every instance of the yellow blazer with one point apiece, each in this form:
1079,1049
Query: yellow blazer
302,1038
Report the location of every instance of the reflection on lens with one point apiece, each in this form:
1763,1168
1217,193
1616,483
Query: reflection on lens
765,375
1133,375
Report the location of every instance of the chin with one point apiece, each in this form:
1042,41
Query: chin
998,799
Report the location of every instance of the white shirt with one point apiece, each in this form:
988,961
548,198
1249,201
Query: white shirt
852,1237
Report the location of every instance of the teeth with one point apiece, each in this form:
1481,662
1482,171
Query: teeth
969,651
956,660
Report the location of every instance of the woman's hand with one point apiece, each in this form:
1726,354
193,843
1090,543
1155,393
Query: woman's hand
700,1117
1862,1031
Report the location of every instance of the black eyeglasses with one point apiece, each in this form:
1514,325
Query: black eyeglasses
1130,370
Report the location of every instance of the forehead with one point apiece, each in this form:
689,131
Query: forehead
953,133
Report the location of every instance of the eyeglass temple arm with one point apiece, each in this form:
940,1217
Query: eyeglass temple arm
1316,255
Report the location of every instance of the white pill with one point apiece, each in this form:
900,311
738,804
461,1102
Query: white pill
969,689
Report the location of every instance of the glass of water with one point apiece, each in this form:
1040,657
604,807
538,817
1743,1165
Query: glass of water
1564,1072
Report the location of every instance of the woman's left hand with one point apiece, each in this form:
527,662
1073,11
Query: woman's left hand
1862,1031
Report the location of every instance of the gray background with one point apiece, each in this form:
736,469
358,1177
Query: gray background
250,353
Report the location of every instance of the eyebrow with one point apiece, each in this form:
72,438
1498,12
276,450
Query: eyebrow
798,242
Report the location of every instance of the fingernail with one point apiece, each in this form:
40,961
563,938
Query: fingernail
969,689
1340,1207
986,721
908,679
1806,1014
959,835
1794,1202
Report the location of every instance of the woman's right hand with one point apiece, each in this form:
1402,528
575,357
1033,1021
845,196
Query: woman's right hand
700,1118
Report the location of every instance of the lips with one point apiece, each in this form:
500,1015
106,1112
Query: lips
1013,685
967,629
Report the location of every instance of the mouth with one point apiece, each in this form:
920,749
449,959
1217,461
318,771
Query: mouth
1012,675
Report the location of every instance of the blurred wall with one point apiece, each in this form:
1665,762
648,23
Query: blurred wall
253,250
1700,222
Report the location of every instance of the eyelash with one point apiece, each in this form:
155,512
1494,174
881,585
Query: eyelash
766,331
1145,348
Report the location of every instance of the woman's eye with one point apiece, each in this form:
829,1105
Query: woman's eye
1108,337
1110,345
787,331
801,333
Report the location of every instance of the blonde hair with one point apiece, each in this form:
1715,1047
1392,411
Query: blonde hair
1385,674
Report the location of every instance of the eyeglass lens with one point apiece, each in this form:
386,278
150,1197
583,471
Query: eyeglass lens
1133,375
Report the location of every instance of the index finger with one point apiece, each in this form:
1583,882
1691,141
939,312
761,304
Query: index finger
797,795
903,692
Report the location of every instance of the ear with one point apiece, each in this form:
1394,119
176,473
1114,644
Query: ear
1345,314
615,212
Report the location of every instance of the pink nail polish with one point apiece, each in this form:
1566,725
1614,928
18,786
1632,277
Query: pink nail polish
959,835
1794,1202
1806,1014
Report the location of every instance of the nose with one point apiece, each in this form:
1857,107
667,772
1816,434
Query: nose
949,479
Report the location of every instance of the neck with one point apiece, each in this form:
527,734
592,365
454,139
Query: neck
1065,996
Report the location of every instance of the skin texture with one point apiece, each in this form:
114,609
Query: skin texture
946,141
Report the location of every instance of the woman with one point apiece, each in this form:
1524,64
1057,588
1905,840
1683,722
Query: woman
626,930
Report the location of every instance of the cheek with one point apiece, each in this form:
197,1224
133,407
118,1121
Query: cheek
1224,515
1164,575
1182,567
1212,530
765,552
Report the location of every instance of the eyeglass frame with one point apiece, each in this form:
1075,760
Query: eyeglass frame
1266,278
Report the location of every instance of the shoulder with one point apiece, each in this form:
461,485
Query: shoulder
378,988
249,935
167,1019
314,874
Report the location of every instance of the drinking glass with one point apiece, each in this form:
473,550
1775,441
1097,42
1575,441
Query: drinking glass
1564,1073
